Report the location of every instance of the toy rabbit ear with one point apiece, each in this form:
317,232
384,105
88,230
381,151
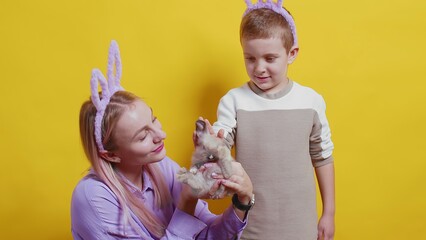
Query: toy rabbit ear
114,63
97,76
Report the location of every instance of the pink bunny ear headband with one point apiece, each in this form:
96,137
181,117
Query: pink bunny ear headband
108,89
276,7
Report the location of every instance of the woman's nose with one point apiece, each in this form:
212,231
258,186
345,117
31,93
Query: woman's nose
159,135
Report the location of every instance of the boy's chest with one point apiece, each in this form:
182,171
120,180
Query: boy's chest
276,125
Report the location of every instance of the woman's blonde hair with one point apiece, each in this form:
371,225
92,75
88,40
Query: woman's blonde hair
106,171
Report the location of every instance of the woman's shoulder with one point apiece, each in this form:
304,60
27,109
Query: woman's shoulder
95,209
90,188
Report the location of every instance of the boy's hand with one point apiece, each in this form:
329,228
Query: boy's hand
220,134
326,227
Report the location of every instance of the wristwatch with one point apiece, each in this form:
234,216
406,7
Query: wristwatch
241,206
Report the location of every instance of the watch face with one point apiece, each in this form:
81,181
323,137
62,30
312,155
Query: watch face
252,200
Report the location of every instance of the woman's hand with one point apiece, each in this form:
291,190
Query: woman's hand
188,198
239,183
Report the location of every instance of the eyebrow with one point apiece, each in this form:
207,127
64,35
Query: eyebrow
144,127
266,54
272,55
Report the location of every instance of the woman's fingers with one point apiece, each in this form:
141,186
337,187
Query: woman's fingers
214,189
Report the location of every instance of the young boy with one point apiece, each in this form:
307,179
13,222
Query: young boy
280,131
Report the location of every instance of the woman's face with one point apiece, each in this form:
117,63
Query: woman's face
138,136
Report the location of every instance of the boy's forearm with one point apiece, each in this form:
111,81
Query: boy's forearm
325,176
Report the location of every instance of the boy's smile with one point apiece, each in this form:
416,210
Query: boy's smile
266,62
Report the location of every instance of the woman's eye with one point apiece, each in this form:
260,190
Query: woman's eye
142,137
154,119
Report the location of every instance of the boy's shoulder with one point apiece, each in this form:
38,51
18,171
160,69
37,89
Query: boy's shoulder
308,95
242,88
305,89
306,92
239,91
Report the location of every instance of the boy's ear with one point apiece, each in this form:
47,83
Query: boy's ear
293,54
110,156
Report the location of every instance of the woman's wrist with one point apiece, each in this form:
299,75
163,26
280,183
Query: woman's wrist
245,204
245,199
187,204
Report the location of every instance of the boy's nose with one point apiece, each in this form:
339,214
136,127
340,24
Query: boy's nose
259,68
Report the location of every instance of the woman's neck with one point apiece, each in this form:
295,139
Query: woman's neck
133,174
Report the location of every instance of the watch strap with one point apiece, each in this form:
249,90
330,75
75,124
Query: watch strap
239,205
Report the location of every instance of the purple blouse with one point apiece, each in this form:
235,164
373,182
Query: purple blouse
95,212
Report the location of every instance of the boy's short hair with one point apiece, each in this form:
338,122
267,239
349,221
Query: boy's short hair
264,23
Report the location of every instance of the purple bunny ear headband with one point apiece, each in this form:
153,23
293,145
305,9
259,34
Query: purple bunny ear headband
276,7
108,89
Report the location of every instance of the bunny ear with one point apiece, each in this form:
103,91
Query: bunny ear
114,60
248,3
108,89
97,76
280,3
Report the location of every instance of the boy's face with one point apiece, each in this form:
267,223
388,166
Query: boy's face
266,63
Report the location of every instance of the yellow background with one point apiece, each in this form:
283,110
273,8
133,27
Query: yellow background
367,58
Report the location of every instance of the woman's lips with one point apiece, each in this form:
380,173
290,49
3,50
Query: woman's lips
159,148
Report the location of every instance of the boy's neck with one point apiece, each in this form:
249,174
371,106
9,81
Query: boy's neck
277,93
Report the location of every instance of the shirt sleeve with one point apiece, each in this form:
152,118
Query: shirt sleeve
227,118
321,146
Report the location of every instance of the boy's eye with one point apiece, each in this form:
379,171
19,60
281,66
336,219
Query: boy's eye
270,59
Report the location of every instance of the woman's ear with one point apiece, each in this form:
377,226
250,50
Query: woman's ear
110,156
292,54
